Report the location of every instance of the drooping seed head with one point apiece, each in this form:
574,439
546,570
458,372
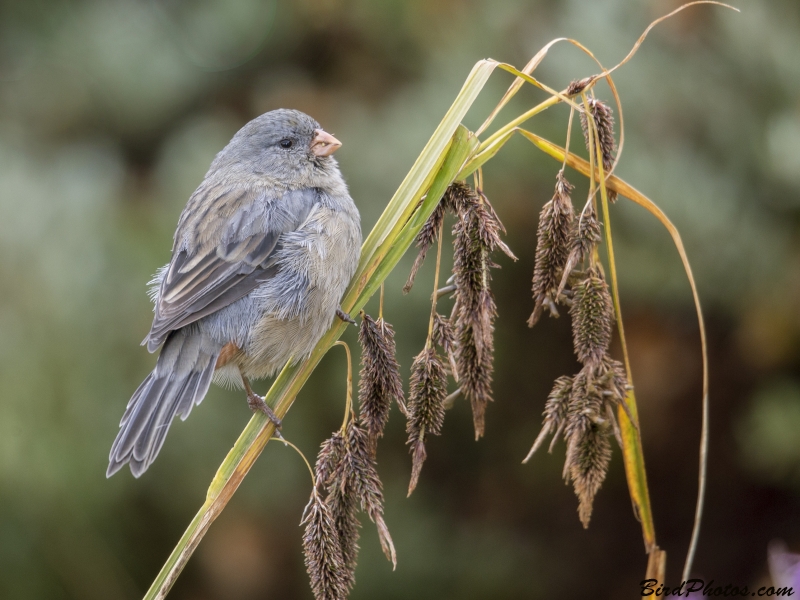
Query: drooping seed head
604,121
476,234
588,456
444,336
584,238
379,380
343,504
364,481
586,403
578,85
589,421
552,248
330,455
427,391
323,554
475,357
592,317
355,485
426,237
555,414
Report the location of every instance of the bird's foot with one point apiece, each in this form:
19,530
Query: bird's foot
257,404
344,316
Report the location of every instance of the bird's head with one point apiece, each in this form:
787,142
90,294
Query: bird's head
285,145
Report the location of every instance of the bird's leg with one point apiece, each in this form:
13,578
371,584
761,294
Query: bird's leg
344,316
257,403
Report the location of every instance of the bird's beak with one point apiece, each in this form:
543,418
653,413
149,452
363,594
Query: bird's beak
324,144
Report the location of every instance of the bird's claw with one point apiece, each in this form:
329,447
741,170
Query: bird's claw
344,316
257,404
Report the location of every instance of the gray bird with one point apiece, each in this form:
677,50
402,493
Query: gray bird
261,257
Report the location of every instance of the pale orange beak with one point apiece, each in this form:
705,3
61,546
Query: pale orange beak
324,144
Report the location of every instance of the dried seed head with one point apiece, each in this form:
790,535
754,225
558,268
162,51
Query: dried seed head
587,234
476,234
604,121
552,248
555,414
379,380
596,390
418,456
428,389
611,376
588,455
364,481
475,356
592,316
426,237
323,554
458,197
444,336
343,505
583,240
331,474
330,455
578,85
587,451
355,485
586,404
555,409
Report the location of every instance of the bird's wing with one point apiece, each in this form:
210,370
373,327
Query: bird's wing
225,246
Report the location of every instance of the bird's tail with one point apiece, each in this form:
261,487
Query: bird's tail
179,381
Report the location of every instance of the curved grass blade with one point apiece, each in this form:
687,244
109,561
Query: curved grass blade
556,97
518,83
422,172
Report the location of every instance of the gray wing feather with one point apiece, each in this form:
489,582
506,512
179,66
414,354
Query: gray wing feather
239,255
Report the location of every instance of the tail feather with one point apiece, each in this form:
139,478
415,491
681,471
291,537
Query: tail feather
160,420
132,403
196,396
180,380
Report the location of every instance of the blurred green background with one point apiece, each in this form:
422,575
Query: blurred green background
110,113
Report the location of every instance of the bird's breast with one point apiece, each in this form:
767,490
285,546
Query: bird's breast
297,306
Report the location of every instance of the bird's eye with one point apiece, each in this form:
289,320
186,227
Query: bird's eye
285,143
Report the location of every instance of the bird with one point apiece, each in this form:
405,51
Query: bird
261,257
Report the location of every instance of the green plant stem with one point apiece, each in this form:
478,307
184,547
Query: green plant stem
508,128
633,453
348,405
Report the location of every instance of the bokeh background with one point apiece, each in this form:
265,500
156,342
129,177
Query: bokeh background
111,111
